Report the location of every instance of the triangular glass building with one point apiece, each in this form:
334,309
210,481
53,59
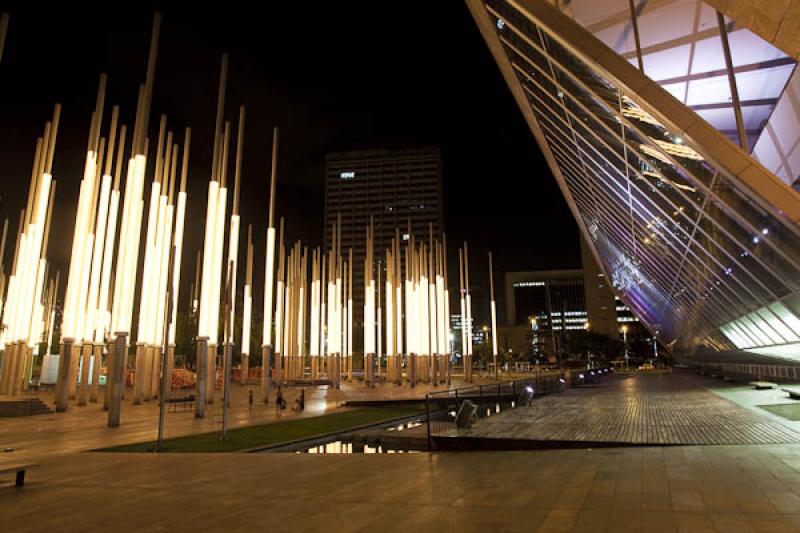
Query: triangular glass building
674,135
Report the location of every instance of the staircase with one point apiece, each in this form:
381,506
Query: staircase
23,407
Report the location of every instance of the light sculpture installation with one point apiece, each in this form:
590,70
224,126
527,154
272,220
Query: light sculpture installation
269,278
23,312
208,320
247,308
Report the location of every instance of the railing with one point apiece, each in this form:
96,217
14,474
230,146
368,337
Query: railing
784,373
442,407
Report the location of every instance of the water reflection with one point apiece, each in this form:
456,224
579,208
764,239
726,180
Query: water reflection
339,446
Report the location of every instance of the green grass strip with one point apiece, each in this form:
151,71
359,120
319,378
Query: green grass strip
275,433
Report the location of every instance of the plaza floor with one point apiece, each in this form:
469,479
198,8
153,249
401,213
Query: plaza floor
729,488
697,488
34,438
641,408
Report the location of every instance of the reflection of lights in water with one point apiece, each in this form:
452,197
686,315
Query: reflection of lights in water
347,447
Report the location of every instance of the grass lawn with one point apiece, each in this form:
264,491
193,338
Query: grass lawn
274,433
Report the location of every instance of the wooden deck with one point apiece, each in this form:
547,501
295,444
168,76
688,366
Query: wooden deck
637,409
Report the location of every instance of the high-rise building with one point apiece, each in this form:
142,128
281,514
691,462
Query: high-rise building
393,187
601,306
553,302
672,130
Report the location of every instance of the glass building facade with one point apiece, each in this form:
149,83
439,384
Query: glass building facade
697,237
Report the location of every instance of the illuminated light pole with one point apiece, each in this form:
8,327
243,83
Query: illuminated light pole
347,313
494,316
149,286
247,308
390,324
398,295
233,237
377,292
624,330
444,310
233,249
130,230
323,315
433,314
8,310
468,302
279,305
81,284
51,309
313,346
92,341
269,278
369,312
180,222
212,259
78,273
166,243
219,242
302,309
411,311
103,322
29,344
463,302
441,315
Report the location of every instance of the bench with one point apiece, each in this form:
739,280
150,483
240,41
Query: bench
187,401
763,385
20,472
794,394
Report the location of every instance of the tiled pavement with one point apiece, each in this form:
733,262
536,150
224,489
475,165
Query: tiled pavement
639,409
34,438
698,488
725,488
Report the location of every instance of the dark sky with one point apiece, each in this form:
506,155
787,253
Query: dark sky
332,76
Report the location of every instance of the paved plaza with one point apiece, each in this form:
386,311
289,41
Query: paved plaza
656,408
35,438
744,487
698,488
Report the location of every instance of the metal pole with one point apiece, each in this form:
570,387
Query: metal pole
117,372
635,25
165,369
226,391
428,420
737,108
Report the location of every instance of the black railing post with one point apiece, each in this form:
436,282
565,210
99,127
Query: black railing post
428,419
513,402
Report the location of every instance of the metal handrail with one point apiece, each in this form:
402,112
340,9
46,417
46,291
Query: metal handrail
442,406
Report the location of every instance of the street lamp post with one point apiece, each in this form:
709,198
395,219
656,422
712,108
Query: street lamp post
625,341
587,326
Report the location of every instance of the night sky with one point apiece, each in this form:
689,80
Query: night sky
332,76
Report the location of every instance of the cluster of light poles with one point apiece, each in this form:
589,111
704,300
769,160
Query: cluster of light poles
308,297
24,310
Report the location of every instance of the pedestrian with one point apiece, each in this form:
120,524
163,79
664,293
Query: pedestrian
302,400
250,400
280,403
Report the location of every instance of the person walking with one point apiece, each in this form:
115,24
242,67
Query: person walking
280,403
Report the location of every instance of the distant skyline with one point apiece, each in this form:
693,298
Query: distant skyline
331,77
